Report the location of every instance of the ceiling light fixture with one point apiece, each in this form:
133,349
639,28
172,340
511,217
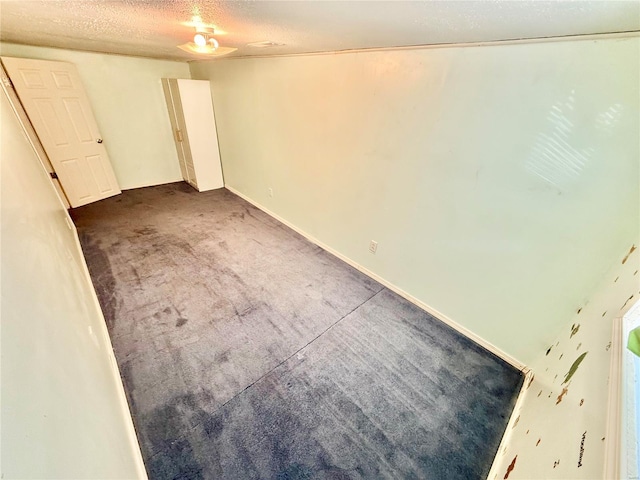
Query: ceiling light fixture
199,39
205,44
204,37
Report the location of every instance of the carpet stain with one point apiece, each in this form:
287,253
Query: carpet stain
178,463
136,276
172,455
269,381
145,231
213,427
102,276
295,471
221,357
181,321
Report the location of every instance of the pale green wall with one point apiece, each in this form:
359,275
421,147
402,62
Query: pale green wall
127,100
500,181
64,412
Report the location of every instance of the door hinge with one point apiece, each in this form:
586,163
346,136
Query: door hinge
7,82
53,175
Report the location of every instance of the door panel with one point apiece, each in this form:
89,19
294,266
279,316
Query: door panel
46,113
101,177
56,103
78,119
62,79
32,78
71,169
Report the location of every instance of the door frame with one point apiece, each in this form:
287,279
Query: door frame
32,136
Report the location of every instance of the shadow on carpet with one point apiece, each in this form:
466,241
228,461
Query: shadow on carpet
247,352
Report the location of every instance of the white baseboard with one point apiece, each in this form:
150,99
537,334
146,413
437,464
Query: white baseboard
114,370
153,184
497,464
432,311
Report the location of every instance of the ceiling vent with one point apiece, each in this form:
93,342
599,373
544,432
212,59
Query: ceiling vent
265,44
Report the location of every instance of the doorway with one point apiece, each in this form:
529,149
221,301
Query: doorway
51,102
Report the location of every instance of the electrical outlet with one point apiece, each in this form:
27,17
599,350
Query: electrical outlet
373,246
270,192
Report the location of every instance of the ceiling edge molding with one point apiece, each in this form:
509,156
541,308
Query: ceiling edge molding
493,43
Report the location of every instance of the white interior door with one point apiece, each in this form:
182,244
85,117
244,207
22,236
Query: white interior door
54,98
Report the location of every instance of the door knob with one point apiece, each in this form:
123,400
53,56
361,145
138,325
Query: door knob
99,140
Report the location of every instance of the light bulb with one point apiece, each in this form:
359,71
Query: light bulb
214,43
200,39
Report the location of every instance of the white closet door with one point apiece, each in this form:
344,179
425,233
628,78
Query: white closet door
197,110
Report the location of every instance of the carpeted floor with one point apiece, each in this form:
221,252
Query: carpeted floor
249,353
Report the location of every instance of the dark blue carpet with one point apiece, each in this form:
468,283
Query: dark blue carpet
249,353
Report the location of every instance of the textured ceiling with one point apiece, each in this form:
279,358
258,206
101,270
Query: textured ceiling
153,28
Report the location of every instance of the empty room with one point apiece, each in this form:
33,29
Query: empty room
320,239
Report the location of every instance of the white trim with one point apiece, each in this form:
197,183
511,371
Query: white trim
515,41
432,311
628,375
141,472
614,410
497,461
163,182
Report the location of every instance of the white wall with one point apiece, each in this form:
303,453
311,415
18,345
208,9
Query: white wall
128,102
501,182
64,413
